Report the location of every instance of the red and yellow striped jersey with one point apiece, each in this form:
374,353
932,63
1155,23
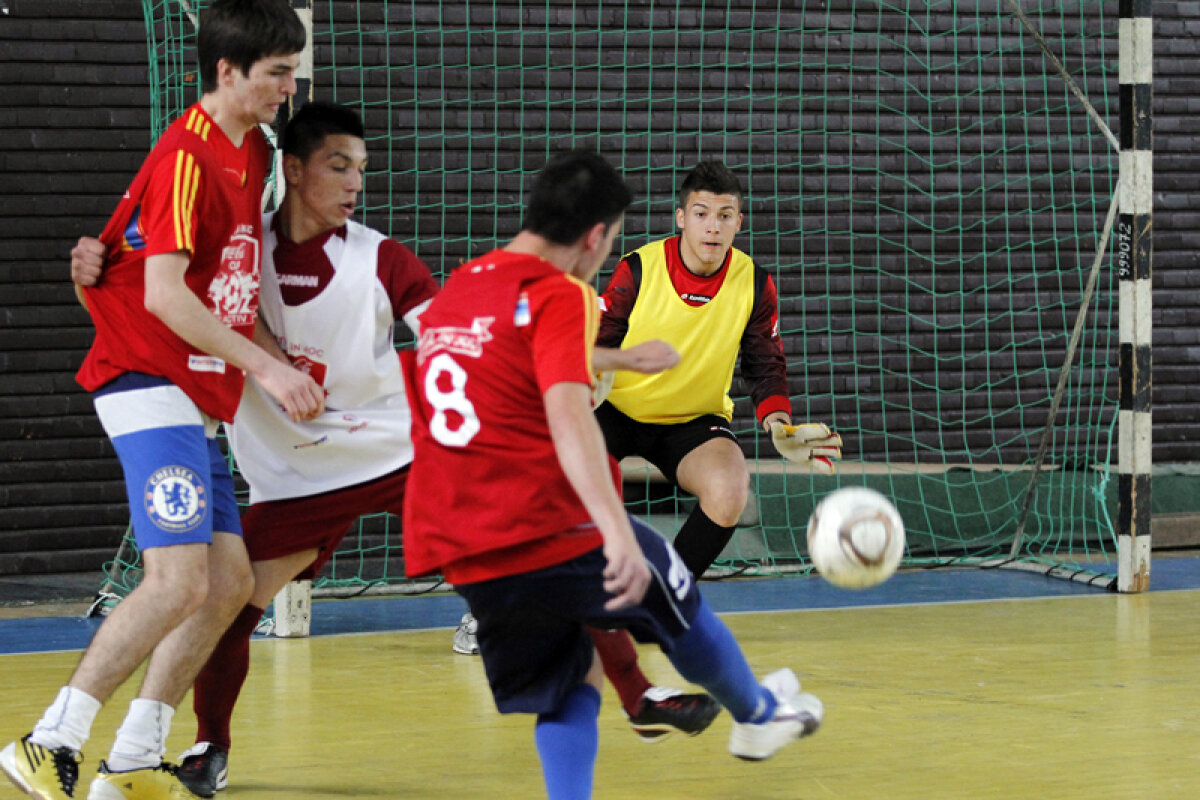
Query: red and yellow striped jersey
198,194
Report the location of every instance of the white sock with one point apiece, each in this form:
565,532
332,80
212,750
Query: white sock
68,720
142,737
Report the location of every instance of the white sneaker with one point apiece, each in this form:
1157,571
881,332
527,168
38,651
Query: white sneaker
798,714
464,636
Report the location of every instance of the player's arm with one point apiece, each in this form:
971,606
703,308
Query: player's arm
267,341
406,280
170,299
647,357
617,304
764,365
584,459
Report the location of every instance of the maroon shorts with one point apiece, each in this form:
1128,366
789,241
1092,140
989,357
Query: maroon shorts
277,528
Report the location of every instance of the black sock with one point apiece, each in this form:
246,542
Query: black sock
700,541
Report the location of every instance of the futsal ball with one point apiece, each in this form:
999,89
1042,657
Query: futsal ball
855,538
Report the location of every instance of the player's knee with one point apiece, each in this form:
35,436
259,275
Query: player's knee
177,593
232,586
725,502
177,577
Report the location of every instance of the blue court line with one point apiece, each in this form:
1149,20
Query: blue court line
443,610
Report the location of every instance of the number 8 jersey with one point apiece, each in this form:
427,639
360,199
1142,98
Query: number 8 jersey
486,496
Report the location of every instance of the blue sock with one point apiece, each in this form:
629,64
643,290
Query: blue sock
710,656
567,741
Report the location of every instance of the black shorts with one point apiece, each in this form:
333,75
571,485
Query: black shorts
664,446
532,635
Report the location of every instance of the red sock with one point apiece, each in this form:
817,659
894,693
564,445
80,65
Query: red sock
220,682
620,661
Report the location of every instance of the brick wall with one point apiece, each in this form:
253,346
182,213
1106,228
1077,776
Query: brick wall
74,124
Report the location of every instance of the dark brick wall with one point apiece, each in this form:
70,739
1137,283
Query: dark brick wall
74,125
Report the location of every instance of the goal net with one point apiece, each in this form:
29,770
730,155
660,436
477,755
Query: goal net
923,183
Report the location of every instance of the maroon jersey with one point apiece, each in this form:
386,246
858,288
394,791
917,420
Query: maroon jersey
488,497
196,193
304,270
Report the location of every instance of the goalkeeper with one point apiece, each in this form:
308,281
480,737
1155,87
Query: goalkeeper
709,301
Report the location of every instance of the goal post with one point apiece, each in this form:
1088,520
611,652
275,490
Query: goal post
928,186
1134,272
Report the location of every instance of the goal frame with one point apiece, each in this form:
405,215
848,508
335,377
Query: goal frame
1133,246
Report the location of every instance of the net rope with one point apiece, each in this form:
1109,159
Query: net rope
925,187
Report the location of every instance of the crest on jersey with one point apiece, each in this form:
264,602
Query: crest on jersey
454,339
314,369
175,499
234,289
522,316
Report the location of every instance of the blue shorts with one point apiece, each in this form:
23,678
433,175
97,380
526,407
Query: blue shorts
176,478
532,636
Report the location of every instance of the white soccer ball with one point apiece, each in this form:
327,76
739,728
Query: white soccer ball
855,538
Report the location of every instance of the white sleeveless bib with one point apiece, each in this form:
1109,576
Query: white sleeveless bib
343,336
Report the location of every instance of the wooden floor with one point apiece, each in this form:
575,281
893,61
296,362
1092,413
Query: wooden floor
1072,697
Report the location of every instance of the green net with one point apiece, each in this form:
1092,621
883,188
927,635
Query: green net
926,191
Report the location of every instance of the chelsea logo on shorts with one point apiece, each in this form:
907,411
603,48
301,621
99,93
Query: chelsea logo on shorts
175,499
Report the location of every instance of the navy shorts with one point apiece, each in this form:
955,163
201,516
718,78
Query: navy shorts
532,627
664,446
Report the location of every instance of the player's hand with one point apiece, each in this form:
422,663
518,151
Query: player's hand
297,393
87,261
626,575
811,444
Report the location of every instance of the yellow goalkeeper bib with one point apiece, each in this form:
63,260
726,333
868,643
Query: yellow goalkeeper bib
707,337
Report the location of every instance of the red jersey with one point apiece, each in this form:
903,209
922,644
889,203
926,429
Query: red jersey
488,497
197,193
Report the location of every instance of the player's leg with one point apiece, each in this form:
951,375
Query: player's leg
768,715
161,440
135,767
568,739
540,660
204,767
654,712
173,586
287,539
714,470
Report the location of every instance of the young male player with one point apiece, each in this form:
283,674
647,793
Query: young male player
332,290
173,321
518,502
711,303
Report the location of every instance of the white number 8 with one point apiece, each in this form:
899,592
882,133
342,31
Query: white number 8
453,400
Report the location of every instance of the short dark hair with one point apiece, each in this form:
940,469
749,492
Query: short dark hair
574,191
244,31
710,176
305,132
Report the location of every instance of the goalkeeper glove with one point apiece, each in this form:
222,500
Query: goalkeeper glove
811,445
